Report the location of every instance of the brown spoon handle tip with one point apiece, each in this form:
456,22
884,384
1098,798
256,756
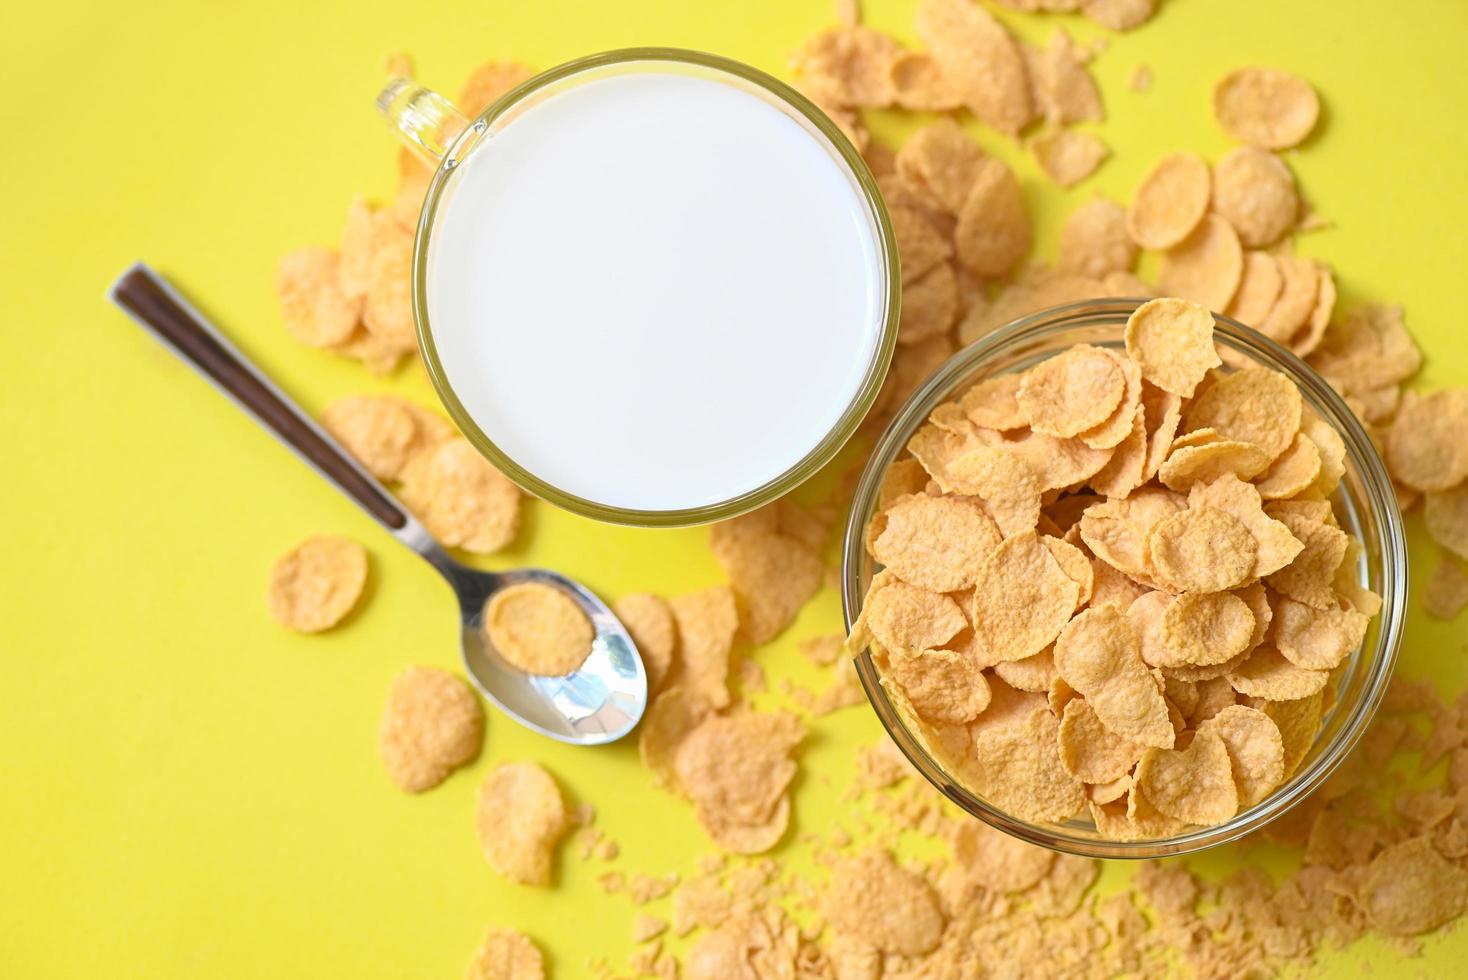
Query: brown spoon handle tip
156,305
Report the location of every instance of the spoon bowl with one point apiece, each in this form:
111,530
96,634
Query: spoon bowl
599,702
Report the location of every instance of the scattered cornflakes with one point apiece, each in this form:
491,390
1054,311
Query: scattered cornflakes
1171,201
1069,156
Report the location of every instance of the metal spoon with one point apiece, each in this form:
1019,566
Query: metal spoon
600,702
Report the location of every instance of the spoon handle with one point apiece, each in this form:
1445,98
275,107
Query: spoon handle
152,302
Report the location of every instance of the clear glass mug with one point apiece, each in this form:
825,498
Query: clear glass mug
1365,502
444,138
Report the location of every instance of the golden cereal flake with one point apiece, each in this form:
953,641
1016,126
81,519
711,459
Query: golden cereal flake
1256,405
460,497
707,621
1206,267
1145,613
649,622
929,305
1033,674
377,430
387,311
997,861
1126,468
538,628
1293,472
1116,530
1265,107
1268,675
1193,784
432,724
1171,340
1255,750
358,244
1089,750
1069,156
1299,290
980,59
1119,15
919,85
1259,288
1006,482
1409,889
1202,550
1255,191
941,685
1276,545
1020,769
994,403
1098,654
1060,84
903,617
671,716
1164,414
487,83
506,954
848,67
315,584
1446,593
1427,447
1059,463
736,768
1023,600
1170,202
1094,240
1209,460
937,543
1298,722
315,308
1308,338
519,816
1204,629
1317,639
771,573
920,245
1309,578
993,231
1074,563
944,161
1368,348
872,898
1071,392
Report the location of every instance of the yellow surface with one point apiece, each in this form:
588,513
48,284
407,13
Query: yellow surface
186,790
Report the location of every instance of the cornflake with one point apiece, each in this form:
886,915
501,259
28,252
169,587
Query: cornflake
980,59
1069,156
1171,340
461,498
538,628
1266,107
649,622
317,583
431,725
1255,192
506,955
316,309
519,817
1170,202
1193,784
1094,240
1205,267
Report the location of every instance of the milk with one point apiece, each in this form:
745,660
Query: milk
655,291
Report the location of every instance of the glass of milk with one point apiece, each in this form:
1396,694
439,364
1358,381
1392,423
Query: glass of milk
653,286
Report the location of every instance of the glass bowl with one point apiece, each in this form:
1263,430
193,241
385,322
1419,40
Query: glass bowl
1365,504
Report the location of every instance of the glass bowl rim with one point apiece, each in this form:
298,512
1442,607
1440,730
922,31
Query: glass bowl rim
1380,499
824,450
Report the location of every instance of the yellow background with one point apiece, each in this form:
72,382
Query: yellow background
186,790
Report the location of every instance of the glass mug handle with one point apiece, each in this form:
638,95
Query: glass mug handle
425,120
